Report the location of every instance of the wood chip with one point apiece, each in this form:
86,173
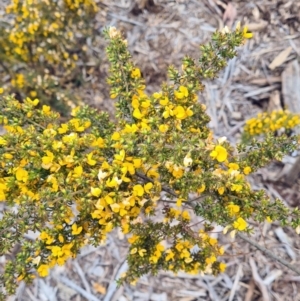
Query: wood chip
274,101
286,242
290,86
258,281
257,26
229,14
280,58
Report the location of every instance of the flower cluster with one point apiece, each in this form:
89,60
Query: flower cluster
40,47
271,122
158,174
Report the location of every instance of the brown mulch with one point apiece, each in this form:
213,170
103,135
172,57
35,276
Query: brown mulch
160,33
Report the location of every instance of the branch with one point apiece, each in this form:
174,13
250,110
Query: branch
268,253
241,235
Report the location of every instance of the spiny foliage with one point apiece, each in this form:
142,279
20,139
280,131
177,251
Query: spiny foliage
152,174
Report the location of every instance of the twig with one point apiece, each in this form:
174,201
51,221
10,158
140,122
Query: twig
113,286
268,253
259,282
82,276
236,282
250,291
78,289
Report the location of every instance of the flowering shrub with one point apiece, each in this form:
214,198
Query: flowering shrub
271,122
153,173
40,46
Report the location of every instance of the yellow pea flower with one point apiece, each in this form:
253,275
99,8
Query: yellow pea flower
247,170
138,190
163,128
75,229
63,128
222,267
135,73
182,92
43,270
147,187
221,190
240,224
233,209
95,191
246,34
219,153
22,175
77,173
185,215
2,141
90,160
137,114
133,251
116,136
46,110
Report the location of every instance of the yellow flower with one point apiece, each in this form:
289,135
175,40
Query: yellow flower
233,209
56,251
212,241
133,239
43,270
95,191
240,224
222,267
116,136
22,175
137,114
170,255
2,141
179,202
90,160
131,128
142,252
137,163
182,92
163,128
219,153
164,101
268,219
34,102
47,160
147,187
135,73
76,230
247,170
185,215
120,156
138,190
46,110
77,173
63,128
233,166
211,259
221,190
133,251
236,187
201,189
246,34
46,237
